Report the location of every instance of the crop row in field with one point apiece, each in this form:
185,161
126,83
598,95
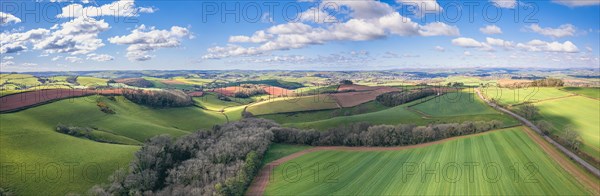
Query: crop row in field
503,162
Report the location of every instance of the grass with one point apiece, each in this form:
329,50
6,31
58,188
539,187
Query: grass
29,138
391,172
20,79
313,90
91,81
580,112
455,104
401,115
588,92
292,104
297,117
521,95
277,151
211,101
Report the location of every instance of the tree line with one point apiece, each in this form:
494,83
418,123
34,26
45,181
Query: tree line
365,134
248,90
396,98
220,161
158,98
548,82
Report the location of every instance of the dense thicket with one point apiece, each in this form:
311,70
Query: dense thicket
396,98
82,132
364,134
159,98
137,82
248,90
278,83
221,161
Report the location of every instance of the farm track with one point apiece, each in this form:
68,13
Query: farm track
593,170
565,163
262,179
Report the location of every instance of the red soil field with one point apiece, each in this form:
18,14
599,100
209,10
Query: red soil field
227,91
356,87
351,99
278,91
25,100
196,94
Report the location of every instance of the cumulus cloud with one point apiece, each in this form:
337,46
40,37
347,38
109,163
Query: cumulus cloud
577,3
366,24
439,48
6,18
122,8
466,42
317,15
562,31
498,42
100,57
73,59
16,42
538,45
78,36
490,29
143,40
422,7
504,3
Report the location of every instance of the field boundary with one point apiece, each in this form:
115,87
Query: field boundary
577,172
263,177
528,123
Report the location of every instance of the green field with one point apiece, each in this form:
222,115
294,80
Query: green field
91,81
292,104
455,104
519,95
401,115
298,117
211,101
580,112
405,171
28,137
313,90
19,79
589,92
277,151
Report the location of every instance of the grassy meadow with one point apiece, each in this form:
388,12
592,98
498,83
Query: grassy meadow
404,171
582,113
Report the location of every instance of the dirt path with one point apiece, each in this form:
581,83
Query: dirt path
579,174
262,179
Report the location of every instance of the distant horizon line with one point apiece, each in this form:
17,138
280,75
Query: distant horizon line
311,70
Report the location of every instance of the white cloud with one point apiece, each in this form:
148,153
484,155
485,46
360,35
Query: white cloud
78,36
439,48
317,15
466,42
100,57
122,8
467,53
438,28
73,59
367,9
562,31
56,58
505,3
6,58
298,35
142,40
16,42
422,6
577,3
490,29
6,18
498,42
538,45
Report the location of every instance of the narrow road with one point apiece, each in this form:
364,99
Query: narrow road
529,124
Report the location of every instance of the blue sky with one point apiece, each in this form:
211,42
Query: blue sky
49,35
